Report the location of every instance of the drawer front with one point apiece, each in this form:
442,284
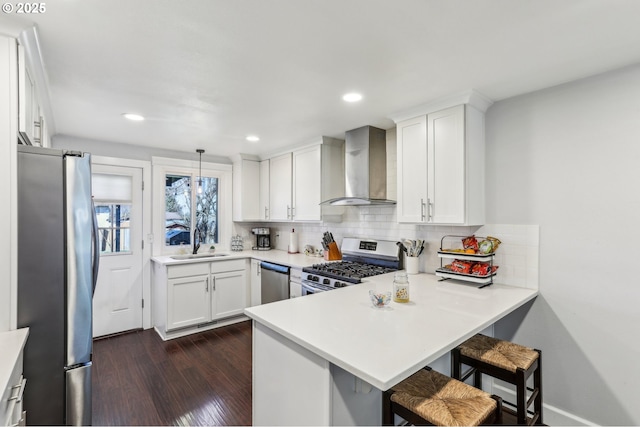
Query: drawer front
186,270
231,265
12,395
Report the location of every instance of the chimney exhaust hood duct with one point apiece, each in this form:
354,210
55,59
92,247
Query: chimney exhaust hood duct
365,169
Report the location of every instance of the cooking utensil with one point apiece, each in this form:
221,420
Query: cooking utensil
412,248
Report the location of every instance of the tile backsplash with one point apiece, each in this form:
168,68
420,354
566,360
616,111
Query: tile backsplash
517,256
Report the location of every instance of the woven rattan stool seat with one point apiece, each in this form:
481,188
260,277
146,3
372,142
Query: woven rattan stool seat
503,354
441,400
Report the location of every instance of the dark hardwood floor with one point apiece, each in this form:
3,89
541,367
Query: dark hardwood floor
201,379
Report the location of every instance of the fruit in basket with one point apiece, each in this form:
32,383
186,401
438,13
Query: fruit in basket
469,251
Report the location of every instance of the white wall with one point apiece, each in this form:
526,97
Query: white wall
129,151
567,158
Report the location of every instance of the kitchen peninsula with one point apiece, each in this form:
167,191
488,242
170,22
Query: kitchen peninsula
326,358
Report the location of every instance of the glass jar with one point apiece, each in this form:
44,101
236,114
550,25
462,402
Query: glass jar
401,287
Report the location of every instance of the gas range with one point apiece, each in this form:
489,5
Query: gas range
361,258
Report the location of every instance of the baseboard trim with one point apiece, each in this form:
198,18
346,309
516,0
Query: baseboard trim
552,416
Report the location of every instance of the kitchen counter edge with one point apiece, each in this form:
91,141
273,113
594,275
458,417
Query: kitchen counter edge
275,256
271,317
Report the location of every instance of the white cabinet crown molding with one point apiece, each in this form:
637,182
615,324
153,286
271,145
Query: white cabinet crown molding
470,97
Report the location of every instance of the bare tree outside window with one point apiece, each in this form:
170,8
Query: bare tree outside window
179,213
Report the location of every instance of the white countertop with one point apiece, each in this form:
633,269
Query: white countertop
299,260
385,346
11,343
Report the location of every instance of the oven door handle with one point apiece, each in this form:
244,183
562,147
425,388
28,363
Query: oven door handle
316,287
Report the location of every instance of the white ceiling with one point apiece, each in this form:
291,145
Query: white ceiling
206,73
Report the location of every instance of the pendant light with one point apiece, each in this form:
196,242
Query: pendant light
200,151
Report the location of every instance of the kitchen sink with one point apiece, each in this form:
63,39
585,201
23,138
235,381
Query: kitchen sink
197,256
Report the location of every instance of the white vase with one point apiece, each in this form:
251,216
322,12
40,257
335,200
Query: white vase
411,265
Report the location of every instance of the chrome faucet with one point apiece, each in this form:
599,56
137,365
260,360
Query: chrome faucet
196,241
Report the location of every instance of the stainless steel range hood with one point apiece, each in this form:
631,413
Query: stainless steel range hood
365,169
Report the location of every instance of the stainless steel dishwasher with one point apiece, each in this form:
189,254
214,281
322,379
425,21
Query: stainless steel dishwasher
275,282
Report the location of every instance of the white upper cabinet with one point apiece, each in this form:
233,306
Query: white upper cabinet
280,183
412,169
250,188
306,184
292,186
441,170
264,190
318,175
246,197
33,99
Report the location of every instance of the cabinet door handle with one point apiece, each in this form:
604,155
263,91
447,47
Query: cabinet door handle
266,215
214,283
259,269
422,215
293,211
288,212
207,285
429,216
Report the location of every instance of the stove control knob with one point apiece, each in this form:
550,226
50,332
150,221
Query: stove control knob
315,278
339,285
326,281
309,277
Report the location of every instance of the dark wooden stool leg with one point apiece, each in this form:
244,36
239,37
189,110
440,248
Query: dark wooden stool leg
455,364
387,413
521,396
498,418
477,379
537,384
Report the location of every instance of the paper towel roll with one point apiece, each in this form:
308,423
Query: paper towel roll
293,242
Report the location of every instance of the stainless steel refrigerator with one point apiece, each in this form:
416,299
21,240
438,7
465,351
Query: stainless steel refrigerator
57,271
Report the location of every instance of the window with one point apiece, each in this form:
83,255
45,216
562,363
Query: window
112,197
179,215
114,227
185,209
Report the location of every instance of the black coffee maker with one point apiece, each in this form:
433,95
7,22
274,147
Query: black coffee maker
263,238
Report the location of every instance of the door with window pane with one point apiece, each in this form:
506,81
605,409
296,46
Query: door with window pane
117,302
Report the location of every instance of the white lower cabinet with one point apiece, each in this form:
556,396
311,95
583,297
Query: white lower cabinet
228,294
188,301
193,297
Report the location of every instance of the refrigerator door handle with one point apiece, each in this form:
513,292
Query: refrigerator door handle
95,241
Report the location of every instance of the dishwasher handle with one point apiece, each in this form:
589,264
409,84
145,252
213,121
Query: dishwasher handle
274,267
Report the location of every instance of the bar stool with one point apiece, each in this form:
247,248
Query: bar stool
431,398
508,362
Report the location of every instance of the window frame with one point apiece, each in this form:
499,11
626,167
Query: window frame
163,166
112,228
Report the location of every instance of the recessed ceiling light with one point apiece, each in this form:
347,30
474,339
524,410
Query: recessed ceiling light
253,138
352,97
134,117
